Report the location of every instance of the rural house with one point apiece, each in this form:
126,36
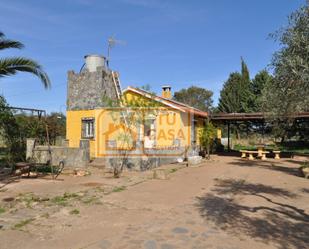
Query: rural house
166,130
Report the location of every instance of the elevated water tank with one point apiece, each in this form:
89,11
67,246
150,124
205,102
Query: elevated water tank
93,61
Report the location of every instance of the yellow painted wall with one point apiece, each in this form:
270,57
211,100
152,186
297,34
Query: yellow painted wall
74,128
170,124
109,126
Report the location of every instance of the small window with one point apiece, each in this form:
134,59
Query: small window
149,127
88,128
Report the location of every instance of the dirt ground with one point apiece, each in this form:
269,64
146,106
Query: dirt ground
226,203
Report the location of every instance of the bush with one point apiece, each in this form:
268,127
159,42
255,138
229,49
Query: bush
207,137
10,133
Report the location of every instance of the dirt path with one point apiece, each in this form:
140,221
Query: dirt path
226,203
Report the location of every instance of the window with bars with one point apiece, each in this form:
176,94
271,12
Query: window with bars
88,128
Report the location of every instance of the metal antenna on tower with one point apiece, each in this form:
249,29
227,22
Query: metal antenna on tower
111,43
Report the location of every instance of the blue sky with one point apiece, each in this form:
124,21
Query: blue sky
181,43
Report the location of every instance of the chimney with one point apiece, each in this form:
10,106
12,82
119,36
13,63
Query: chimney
166,92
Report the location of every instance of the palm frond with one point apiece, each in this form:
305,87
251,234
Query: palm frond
10,66
5,43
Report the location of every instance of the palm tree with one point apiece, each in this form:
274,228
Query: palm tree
12,65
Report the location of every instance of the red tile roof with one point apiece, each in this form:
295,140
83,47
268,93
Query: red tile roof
168,102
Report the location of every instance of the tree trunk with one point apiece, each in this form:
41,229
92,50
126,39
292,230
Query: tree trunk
208,152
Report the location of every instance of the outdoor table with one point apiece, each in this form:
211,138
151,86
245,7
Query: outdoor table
260,149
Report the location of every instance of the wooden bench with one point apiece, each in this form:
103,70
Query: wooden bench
277,154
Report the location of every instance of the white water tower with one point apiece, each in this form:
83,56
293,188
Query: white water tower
93,61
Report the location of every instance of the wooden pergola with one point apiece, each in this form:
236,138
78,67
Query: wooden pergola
254,117
39,112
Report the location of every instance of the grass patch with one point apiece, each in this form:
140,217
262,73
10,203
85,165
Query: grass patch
244,147
63,200
70,195
91,199
28,199
119,189
59,200
290,147
99,189
23,223
74,212
2,210
173,170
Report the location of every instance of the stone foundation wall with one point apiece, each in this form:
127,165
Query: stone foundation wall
155,158
140,164
72,157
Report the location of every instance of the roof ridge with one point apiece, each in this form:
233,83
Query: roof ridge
166,99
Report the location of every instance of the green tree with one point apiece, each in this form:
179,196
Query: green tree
207,137
30,127
197,97
289,91
230,95
258,84
236,94
12,65
56,123
246,102
10,133
245,71
34,127
291,67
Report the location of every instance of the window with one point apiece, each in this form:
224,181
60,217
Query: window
149,127
194,131
88,128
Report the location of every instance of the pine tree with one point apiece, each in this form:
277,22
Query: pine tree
236,94
229,101
258,84
246,100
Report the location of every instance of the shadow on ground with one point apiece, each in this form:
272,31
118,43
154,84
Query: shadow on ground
4,181
305,190
270,221
267,165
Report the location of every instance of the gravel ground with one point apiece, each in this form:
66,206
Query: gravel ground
225,203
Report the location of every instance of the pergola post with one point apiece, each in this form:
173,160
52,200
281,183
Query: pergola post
228,136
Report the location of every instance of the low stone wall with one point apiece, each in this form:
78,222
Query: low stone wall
151,158
139,164
72,157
